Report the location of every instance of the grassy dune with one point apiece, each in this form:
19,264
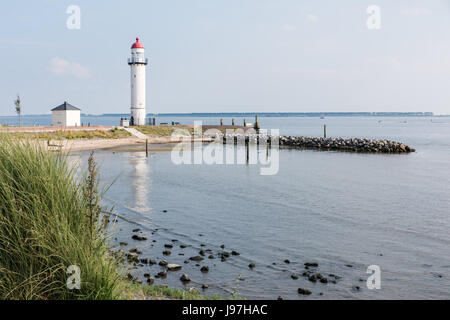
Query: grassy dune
50,220
70,134
162,130
47,223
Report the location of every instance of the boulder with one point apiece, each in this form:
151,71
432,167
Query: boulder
138,238
196,258
204,269
163,263
173,267
193,290
304,292
311,264
185,278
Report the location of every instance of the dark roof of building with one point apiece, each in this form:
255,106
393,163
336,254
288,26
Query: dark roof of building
65,106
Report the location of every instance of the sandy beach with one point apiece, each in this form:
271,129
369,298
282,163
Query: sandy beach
122,144
130,142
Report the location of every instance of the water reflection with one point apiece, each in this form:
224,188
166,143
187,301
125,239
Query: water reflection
140,183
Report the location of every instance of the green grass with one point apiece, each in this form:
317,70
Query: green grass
49,220
161,130
141,291
45,226
70,134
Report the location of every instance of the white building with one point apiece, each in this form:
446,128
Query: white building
137,63
66,115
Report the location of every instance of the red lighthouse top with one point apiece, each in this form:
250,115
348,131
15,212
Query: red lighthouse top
137,44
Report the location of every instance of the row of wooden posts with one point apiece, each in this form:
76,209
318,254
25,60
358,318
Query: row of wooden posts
247,147
247,141
256,125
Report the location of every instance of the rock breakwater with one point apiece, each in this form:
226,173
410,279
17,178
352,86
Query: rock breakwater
345,144
325,144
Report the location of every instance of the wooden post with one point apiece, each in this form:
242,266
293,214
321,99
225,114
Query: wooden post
324,130
146,148
247,147
256,127
221,122
232,121
245,123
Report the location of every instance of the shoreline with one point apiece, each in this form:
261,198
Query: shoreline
104,137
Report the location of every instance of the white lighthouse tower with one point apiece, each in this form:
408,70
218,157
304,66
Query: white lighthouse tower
137,63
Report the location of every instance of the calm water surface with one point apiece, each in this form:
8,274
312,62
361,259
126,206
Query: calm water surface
345,211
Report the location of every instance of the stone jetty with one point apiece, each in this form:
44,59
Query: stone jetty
325,144
345,144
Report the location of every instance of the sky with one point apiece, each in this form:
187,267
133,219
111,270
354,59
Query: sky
228,55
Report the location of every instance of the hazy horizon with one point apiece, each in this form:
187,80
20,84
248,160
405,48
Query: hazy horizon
228,56
336,113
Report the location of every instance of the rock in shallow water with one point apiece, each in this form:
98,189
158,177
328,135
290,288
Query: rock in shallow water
324,280
204,269
162,274
304,292
138,238
173,267
311,264
194,290
196,258
185,278
163,263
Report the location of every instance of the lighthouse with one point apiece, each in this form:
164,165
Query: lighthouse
137,64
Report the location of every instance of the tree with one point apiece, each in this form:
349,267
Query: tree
18,109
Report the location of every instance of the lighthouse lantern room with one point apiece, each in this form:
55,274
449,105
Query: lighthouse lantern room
137,62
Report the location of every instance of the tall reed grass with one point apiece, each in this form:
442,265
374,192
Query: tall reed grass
49,220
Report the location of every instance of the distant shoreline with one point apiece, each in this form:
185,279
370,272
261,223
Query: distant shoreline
261,114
